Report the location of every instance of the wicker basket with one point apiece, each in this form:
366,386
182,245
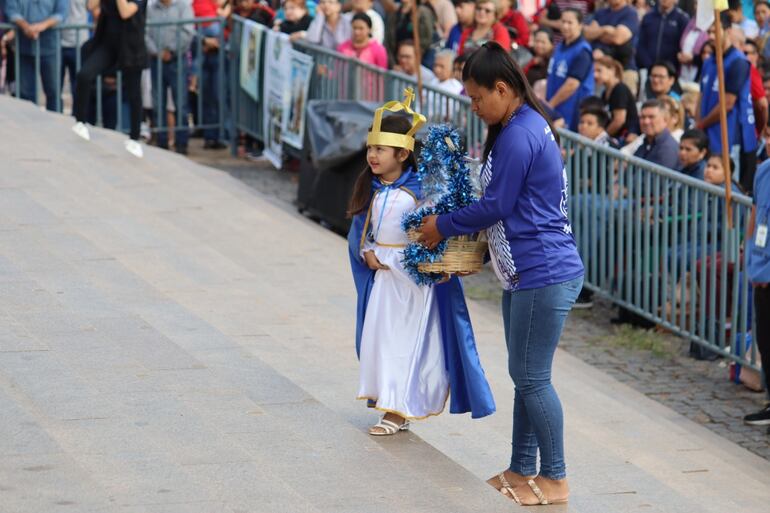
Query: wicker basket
464,254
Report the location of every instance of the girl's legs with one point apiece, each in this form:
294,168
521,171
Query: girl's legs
101,58
533,324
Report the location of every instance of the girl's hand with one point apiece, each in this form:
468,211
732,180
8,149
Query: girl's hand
373,263
429,234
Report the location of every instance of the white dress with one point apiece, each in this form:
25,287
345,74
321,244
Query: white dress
402,355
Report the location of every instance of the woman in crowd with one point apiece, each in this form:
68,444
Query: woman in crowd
690,46
398,28
570,73
618,98
117,42
514,21
537,68
296,19
329,28
674,116
361,45
486,27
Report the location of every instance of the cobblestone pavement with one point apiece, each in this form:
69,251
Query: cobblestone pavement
652,362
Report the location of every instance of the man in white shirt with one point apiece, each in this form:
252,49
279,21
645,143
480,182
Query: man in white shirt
442,68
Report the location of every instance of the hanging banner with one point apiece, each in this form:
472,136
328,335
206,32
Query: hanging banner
251,44
277,70
293,127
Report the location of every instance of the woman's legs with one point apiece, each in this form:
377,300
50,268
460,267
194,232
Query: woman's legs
534,323
98,62
133,78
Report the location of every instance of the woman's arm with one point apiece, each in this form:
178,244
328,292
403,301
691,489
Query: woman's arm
566,90
510,166
618,120
127,8
92,4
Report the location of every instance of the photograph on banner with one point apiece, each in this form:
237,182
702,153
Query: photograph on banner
251,44
293,130
276,92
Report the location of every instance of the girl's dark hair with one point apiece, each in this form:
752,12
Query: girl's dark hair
699,138
490,64
362,16
362,189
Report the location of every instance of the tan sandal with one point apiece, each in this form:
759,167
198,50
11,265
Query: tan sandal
388,428
506,488
541,496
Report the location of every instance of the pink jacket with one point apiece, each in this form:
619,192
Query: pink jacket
373,53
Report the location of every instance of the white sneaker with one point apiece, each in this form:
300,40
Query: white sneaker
134,148
81,130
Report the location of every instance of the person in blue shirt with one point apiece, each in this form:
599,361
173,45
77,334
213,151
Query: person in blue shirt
465,10
612,32
570,71
740,109
658,145
758,265
659,34
35,19
523,209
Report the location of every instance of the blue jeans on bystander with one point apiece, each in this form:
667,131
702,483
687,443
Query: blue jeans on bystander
533,321
28,79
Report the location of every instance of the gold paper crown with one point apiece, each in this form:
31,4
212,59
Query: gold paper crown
378,138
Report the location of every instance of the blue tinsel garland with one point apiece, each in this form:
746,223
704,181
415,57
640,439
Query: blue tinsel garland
443,171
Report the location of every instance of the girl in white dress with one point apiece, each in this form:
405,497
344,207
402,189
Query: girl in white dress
403,368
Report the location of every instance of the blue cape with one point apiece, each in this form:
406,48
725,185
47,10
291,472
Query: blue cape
469,390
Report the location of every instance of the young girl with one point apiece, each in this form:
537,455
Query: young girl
414,342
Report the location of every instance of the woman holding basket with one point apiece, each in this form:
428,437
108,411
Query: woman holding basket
533,252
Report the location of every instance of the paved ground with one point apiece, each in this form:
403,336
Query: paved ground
654,363
171,340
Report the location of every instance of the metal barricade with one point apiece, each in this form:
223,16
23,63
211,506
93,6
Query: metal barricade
657,242
209,110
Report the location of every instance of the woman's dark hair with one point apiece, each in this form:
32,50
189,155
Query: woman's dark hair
576,12
699,138
362,189
362,16
490,64
547,31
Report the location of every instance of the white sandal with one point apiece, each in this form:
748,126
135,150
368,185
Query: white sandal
388,428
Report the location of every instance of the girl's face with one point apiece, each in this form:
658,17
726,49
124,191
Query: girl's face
689,153
589,126
715,172
360,32
385,160
293,12
570,26
542,45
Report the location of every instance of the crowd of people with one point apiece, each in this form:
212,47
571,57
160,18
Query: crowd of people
626,73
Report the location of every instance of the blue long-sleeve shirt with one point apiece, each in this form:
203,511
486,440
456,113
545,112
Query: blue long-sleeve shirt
35,11
523,208
659,36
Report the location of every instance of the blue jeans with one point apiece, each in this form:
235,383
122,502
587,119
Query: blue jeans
167,79
28,79
209,88
533,321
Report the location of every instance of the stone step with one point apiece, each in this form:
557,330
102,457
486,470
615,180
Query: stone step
172,341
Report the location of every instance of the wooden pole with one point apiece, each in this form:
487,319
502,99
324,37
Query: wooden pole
723,117
417,49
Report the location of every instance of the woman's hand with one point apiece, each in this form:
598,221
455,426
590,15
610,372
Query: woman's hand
429,234
373,263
